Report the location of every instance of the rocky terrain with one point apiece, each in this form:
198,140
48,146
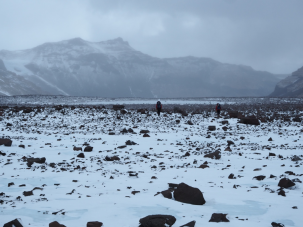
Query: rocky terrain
291,86
116,165
114,69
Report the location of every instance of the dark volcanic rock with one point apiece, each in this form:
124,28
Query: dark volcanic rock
261,177
144,131
6,142
129,142
249,121
13,223
2,153
213,155
189,224
281,192
167,194
286,183
31,161
88,149
187,194
94,224
218,217
274,224
157,220
231,176
296,158
212,128
113,158
28,193
81,155
55,224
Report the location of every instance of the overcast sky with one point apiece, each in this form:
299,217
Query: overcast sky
264,34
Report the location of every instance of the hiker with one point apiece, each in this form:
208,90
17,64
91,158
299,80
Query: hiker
159,107
218,108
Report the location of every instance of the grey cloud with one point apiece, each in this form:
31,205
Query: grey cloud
266,35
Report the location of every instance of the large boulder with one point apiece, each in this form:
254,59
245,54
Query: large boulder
157,220
187,194
94,224
88,149
218,217
286,183
55,224
13,223
6,142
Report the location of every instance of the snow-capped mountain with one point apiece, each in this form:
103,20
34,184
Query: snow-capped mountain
114,69
291,86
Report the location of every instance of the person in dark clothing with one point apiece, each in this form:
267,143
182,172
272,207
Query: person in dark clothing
159,107
218,109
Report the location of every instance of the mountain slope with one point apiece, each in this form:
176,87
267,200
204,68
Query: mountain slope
114,69
14,84
291,86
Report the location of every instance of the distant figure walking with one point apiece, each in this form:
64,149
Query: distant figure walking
159,107
218,109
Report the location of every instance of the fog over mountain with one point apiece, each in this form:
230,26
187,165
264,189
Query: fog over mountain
291,86
114,69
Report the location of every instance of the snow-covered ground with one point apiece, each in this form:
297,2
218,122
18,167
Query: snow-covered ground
93,189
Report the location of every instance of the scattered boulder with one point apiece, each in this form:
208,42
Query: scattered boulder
88,149
31,161
146,135
144,131
189,224
249,121
229,142
94,224
213,155
281,192
157,220
296,158
2,153
274,224
211,127
261,177
81,155
190,122
231,176
13,223
6,142
129,142
77,148
113,158
187,194
55,224
22,146
203,166
218,217
28,193
167,194
286,183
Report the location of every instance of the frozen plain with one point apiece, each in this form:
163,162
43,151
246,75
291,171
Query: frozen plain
103,191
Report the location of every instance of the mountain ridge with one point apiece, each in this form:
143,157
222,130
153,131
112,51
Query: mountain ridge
113,68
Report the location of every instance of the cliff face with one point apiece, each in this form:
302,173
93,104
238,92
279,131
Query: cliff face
114,69
291,86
